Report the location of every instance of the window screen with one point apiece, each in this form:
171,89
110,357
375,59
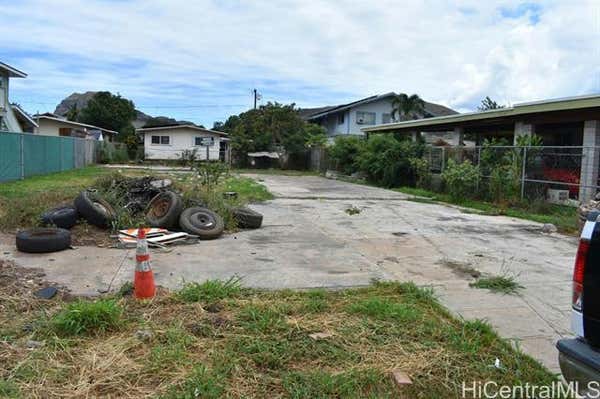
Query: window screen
164,139
365,118
386,118
155,139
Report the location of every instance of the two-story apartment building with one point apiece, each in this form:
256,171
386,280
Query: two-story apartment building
350,118
12,117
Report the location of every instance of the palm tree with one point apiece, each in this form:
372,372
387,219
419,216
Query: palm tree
407,107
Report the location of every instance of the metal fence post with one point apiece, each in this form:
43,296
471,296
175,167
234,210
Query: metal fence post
523,173
22,155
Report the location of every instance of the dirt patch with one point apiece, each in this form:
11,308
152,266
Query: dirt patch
461,269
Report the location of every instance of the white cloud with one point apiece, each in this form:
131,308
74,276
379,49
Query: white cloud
311,51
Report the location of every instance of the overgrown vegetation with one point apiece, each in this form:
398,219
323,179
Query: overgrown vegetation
22,202
385,160
254,344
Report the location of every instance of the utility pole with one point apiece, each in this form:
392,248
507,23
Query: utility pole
256,95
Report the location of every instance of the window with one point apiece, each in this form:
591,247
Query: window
340,119
365,118
166,140
199,140
386,118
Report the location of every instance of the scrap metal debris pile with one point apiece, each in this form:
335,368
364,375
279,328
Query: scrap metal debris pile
147,201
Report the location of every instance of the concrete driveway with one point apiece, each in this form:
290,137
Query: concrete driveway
308,240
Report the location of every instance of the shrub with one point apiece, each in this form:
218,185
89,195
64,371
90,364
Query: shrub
422,172
460,179
188,157
344,153
386,161
85,317
504,185
210,173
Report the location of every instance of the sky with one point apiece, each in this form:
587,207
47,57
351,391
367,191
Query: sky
199,60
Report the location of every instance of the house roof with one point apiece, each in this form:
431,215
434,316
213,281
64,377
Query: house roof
430,108
178,126
71,123
12,71
558,104
24,115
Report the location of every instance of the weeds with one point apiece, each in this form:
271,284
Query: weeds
321,384
384,309
85,317
210,290
505,284
352,210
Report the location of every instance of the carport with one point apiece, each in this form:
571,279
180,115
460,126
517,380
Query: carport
565,122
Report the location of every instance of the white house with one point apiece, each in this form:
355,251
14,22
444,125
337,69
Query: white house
168,142
12,117
55,125
350,118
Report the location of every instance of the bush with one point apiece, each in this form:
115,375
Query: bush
422,172
85,317
460,179
112,153
344,153
386,161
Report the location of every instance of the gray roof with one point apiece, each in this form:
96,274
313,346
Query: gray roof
12,71
517,110
431,109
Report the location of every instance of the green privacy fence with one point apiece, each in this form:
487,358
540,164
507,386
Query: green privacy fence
25,154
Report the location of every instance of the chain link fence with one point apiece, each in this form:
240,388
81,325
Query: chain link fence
551,173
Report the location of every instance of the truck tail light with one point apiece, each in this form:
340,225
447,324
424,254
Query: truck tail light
578,272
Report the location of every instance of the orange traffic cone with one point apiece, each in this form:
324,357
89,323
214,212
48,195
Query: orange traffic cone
143,285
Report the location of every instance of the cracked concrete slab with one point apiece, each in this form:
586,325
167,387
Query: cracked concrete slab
308,240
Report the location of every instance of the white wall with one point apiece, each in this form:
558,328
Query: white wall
350,126
48,127
11,122
180,139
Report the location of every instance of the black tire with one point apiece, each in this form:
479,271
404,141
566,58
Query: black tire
43,239
247,218
64,217
164,210
201,222
94,209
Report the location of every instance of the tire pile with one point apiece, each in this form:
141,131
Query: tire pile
165,210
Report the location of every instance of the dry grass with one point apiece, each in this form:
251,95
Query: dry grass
254,344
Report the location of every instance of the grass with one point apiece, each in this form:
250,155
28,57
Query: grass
85,317
256,345
563,217
210,290
505,284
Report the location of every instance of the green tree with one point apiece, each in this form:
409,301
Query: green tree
108,111
315,135
73,113
487,103
406,107
272,127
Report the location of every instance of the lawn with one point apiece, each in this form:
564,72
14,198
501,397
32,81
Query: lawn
563,217
217,339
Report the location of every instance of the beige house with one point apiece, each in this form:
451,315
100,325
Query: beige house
169,142
54,125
